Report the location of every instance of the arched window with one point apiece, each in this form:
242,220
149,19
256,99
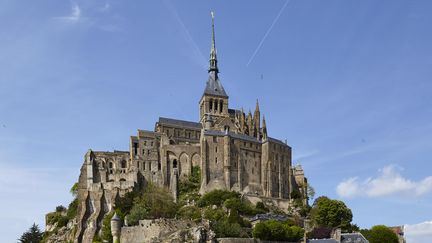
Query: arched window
175,163
216,105
211,105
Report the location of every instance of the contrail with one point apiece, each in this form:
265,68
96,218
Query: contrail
267,33
188,36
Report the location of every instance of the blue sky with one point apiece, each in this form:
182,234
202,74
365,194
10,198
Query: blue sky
346,82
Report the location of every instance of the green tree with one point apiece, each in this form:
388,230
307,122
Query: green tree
379,234
155,202
331,213
32,235
277,231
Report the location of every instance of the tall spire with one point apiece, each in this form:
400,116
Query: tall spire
213,59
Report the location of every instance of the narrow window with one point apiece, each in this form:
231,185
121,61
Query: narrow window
135,147
175,163
216,105
216,149
211,105
221,106
216,160
144,165
159,166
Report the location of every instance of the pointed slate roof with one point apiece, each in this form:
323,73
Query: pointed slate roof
214,86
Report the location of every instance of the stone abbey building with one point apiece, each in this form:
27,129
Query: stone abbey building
232,149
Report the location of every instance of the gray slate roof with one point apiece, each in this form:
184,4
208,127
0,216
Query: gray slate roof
232,134
175,122
323,241
214,86
353,238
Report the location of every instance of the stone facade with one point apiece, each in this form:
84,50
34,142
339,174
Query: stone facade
232,149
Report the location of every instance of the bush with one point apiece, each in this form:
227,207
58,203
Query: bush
154,203
189,212
277,231
192,184
214,214
106,228
72,210
60,209
223,228
216,197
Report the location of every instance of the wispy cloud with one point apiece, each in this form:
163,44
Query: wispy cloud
74,16
419,233
197,54
388,182
267,33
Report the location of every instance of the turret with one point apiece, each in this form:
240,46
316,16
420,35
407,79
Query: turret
115,228
257,118
264,129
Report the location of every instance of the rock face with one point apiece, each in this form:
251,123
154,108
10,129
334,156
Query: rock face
231,148
166,230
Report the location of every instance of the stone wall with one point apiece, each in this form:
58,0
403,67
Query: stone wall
165,230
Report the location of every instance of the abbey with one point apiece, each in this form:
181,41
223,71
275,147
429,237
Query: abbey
232,149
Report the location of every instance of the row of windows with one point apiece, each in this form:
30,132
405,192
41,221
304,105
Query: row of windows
216,105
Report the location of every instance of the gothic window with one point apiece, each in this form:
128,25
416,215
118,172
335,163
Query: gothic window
144,165
221,106
123,164
175,163
216,105
211,105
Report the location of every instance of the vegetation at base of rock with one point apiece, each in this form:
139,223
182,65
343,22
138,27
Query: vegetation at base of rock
32,235
155,202
277,231
326,212
192,183
189,212
380,233
105,235
216,197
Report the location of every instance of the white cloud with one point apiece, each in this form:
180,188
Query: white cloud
75,15
419,233
388,182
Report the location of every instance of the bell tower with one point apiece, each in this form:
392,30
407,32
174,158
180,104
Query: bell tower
214,101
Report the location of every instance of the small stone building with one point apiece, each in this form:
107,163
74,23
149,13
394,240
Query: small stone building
232,149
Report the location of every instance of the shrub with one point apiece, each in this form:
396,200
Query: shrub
216,197
380,233
214,214
277,231
106,228
155,202
60,209
223,228
190,212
